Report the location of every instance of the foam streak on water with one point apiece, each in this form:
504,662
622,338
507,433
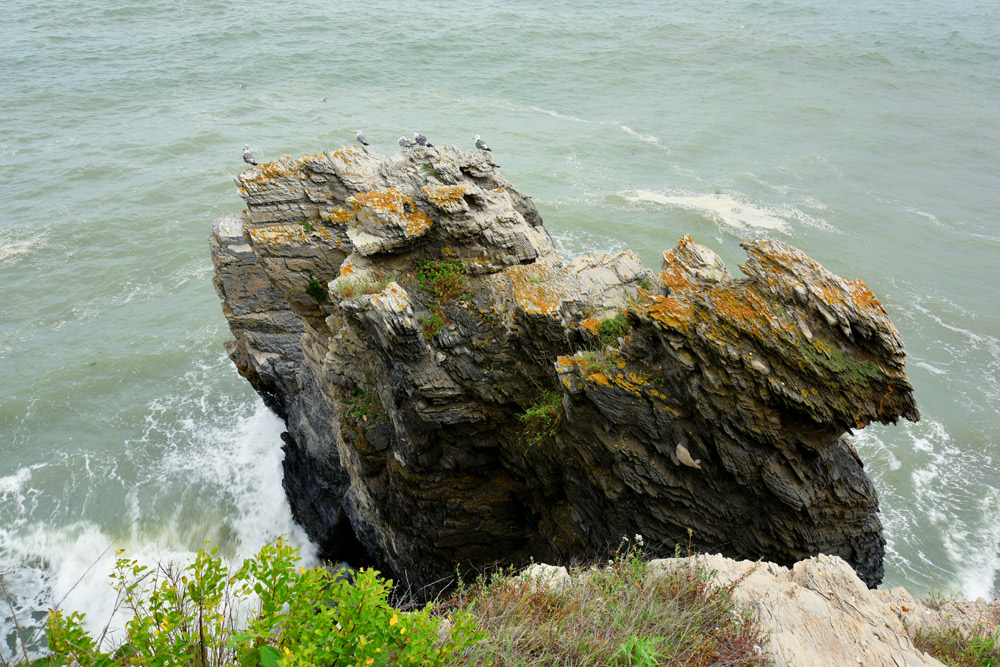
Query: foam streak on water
859,132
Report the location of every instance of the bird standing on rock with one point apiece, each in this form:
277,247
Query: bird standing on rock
481,145
361,138
405,143
248,156
422,140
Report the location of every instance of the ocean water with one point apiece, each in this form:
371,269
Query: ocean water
862,132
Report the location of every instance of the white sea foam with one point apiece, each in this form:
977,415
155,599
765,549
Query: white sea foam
647,138
724,209
571,243
933,509
12,247
232,466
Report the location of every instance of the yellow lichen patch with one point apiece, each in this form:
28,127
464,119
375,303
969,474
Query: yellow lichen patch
348,154
284,234
591,324
670,311
532,293
278,168
864,296
443,195
315,157
336,215
391,206
346,269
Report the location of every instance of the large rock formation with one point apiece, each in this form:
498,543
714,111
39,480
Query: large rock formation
456,394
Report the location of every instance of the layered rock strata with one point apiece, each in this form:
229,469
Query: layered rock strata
457,394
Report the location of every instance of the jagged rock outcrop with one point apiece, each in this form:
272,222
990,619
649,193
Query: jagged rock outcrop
458,394
818,613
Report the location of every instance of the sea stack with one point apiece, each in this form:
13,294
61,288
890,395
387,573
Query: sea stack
458,395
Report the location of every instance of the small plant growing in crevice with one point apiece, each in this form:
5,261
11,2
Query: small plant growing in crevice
591,362
307,226
362,407
315,289
613,328
369,282
444,281
542,418
431,170
431,324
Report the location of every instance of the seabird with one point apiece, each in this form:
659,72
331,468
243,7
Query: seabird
248,156
361,138
481,145
422,140
405,143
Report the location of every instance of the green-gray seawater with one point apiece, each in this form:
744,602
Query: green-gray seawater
864,133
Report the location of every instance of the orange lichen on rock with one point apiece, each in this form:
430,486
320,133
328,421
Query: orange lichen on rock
283,167
530,292
864,296
670,311
391,206
443,196
337,214
285,234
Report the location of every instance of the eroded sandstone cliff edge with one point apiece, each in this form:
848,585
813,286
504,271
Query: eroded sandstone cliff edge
457,394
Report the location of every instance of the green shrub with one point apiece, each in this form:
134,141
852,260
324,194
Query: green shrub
315,289
269,612
444,281
613,328
956,649
542,418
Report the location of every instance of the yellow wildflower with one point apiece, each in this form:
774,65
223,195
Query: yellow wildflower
393,621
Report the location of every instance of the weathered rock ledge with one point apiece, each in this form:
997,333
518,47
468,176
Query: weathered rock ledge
456,394
819,614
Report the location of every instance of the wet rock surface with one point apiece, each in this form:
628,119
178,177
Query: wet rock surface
458,394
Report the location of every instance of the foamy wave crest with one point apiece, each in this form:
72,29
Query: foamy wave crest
11,247
647,138
722,208
572,243
955,535
548,112
210,469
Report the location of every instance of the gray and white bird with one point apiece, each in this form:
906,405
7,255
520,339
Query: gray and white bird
361,138
406,143
248,156
481,145
422,140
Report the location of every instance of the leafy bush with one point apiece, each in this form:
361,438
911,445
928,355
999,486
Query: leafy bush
315,289
611,329
269,612
444,281
542,418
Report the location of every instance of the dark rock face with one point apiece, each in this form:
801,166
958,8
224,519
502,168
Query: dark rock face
455,394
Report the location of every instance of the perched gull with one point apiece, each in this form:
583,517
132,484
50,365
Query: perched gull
422,140
481,145
405,143
361,138
248,156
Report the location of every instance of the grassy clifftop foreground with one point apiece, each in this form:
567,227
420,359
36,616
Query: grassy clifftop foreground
695,611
